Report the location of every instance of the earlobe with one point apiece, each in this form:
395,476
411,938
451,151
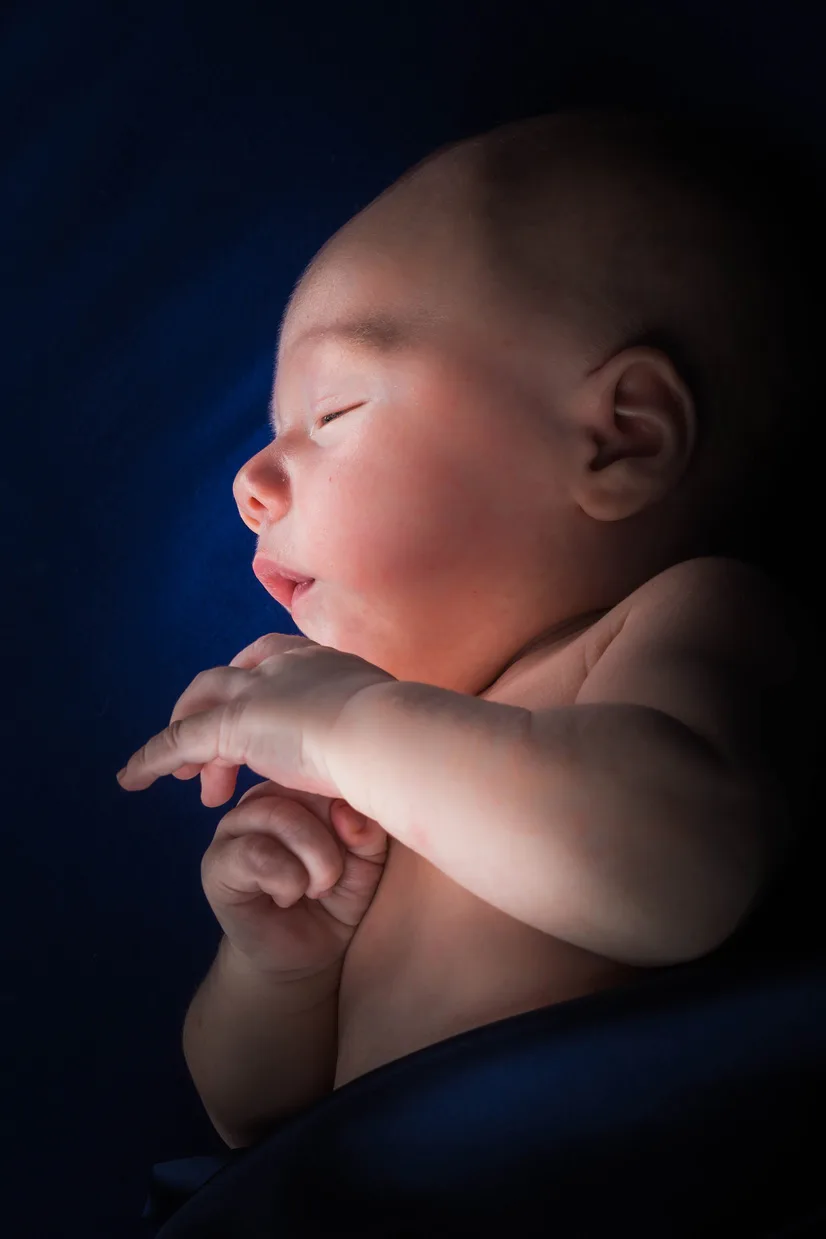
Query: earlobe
640,431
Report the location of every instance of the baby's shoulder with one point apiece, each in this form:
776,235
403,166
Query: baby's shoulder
707,573
734,602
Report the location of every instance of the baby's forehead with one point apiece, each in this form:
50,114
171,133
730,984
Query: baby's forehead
379,307
410,265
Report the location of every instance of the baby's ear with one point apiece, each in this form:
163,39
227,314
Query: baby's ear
637,433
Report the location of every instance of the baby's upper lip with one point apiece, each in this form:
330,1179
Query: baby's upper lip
278,580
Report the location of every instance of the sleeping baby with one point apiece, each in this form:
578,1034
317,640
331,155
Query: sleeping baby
514,754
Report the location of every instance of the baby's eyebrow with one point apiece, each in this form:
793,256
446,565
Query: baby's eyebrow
379,332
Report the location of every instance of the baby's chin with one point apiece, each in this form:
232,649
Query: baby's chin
423,652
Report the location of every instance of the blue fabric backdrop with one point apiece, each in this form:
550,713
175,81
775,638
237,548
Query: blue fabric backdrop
167,172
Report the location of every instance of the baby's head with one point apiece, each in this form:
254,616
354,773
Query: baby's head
573,344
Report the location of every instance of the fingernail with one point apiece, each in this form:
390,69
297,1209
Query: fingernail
120,774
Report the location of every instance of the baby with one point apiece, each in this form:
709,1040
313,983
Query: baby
520,402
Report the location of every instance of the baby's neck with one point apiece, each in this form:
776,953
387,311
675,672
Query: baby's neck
548,640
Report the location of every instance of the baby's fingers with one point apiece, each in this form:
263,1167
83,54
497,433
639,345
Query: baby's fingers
361,835
218,782
188,772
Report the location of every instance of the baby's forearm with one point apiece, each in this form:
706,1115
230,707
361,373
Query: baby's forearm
612,827
258,1049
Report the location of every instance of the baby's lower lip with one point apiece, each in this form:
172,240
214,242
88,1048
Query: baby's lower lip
300,591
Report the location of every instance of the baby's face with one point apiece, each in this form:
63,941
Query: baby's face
417,483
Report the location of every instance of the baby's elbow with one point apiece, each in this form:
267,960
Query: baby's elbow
753,846
713,893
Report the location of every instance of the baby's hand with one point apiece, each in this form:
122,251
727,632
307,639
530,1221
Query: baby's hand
218,776
290,875
274,709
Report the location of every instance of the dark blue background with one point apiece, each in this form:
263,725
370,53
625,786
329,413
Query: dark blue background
168,170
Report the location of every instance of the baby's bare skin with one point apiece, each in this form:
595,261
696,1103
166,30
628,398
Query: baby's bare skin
430,959
464,478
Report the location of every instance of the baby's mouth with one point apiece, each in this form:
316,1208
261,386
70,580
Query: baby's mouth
301,588
284,589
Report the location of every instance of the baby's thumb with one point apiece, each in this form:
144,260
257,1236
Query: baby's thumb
361,835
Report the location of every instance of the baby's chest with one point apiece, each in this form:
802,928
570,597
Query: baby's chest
431,960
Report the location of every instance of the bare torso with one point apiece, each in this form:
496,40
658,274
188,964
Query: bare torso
430,960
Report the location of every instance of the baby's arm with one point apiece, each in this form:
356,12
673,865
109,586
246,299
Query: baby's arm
640,823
